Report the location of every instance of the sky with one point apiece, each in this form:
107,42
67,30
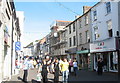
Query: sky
40,15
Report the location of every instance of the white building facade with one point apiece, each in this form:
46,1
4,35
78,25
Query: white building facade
104,17
9,34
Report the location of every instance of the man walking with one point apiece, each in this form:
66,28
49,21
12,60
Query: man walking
100,66
25,68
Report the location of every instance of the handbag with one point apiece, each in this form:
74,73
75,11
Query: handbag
39,77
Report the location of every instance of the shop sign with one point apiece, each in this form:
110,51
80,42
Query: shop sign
17,46
102,46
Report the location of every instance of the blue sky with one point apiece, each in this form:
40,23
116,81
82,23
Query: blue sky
40,15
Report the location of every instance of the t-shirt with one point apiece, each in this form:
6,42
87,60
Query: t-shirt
64,66
75,64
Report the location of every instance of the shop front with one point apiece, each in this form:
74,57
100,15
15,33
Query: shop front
72,53
84,59
106,50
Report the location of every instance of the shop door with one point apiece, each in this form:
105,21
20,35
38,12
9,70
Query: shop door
106,61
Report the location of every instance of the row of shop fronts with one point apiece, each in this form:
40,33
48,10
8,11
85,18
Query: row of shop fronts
105,49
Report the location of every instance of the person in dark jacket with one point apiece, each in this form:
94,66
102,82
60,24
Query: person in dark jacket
100,66
44,72
56,71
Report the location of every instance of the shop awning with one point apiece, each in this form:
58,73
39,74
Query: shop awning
83,52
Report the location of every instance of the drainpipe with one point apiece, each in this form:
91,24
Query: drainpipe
12,42
118,50
77,42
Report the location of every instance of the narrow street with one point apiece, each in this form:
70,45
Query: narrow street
56,35
82,76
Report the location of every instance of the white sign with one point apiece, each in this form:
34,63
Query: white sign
103,46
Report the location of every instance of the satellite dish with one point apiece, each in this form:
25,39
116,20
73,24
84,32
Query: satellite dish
55,35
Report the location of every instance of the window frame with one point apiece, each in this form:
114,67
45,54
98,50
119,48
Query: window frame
108,7
73,27
74,42
95,15
70,42
70,29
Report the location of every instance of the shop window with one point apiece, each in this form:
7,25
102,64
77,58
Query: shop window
113,61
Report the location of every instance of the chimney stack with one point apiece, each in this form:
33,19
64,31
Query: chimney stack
86,8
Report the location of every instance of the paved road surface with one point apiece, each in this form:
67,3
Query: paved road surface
82,75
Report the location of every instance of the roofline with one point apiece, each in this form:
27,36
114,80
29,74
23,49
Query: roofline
83,14
62,21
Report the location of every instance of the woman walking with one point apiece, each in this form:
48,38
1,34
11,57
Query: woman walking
56,69
70,65
75,67
65,70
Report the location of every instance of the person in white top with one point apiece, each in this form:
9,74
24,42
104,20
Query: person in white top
75,66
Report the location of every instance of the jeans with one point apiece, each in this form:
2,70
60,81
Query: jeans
25,75
75,70
65,75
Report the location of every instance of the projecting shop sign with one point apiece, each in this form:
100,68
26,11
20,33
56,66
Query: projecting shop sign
17,46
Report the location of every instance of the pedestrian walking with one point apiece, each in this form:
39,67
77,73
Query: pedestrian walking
25,68
100,66
70,65
44,71
34,63
52,66
60,62
75,66
39,77
65,71
16,63
56,69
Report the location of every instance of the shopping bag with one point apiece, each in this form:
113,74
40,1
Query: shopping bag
39,77
72,70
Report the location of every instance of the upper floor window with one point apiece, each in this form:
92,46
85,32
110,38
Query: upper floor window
96,35
108,7
70,42
109,25
74,41
73,27
87,36
69,29
86,19
95,15
80,24
80,38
